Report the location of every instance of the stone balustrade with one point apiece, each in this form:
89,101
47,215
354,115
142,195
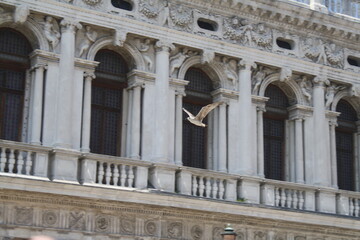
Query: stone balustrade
32,161
345,7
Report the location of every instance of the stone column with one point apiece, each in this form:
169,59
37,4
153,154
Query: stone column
334,182
357,158
178,126
321,163
37,104
162,176
260,141
222,164
299,151
130,101
66,69
135,122
160,143
86,118
246,166
64,164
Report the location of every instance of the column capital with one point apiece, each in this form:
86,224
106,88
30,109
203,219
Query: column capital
180,92
261,108
41,66
320,81
89,75
164,46
69,25
246,64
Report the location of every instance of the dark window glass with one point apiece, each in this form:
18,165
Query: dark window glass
14,50
194,137
274,133
345,145
125,5
207,24
286,44
106,108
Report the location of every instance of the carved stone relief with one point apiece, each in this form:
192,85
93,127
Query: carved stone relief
24,215
305,86
151,8
52,32
50,218
230,69
150,228
127,224
181,17
21,13
92,2
259,235
178,58
196,232
102,224
258,77
240,235
238,30
174,230
216,233
146,48
88,37
77,220
262,36
330,94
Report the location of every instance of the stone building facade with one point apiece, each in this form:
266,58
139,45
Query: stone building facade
95,144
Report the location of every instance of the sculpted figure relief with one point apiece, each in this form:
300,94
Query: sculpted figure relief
90,38
178,59
51,32
330,94
148,52
262,36
21,13
230,69
238,30
149,8
334,57
306,87
258,76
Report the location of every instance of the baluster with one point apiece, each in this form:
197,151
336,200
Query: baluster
277,197
116,175
301,200
122,175
20,162
194,186
108,174
11,161
295,199
28,163
208,187
221,189
131,176
356,208
283,197
100,173
201,186
215,188
2,159
351,206
288,198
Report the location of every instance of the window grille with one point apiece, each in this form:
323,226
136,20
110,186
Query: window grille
345,145
274,133
194,137
14,50
106,104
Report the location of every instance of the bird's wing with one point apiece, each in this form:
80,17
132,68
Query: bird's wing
205,110
188,113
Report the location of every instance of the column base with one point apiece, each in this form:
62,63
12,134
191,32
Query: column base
162,178
64,165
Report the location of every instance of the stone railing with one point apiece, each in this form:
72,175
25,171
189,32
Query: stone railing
288,195
23,159
205,183
113,171
345,7
30,161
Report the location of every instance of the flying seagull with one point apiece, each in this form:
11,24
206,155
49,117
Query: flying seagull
197,120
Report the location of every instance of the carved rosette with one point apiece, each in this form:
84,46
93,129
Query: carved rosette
181,16
49,218
92,2
216,233
150,228
24,216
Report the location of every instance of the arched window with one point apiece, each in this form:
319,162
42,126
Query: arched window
106,103
345,145
195,138
14,61
274,133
